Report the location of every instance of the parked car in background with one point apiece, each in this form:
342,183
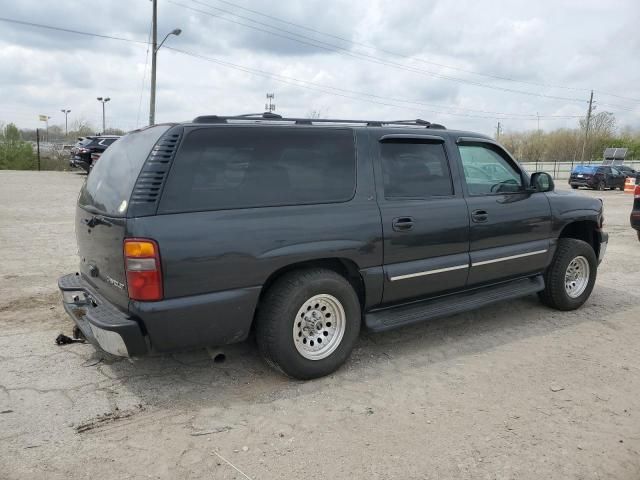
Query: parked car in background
599,177
302,231
88,149
635,213
627,171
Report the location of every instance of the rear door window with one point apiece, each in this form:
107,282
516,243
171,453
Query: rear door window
109,185
242,167
415,170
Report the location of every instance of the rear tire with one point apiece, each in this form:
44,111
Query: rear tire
575,187
601,185
571,276
318,307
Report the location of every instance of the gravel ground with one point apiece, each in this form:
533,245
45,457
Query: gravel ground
510,391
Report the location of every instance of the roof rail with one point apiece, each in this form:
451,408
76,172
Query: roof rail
270,116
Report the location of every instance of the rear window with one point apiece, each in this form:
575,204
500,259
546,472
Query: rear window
109,185
235,167
584,169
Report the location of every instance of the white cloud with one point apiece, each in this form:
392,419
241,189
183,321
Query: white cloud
577,44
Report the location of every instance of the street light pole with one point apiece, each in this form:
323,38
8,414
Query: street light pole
66,124
103,101
154,53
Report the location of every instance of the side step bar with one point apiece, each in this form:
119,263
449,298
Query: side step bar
395,317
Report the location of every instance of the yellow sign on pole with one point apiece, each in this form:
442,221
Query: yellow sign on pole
43,118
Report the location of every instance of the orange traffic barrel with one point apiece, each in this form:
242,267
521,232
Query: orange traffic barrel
629,185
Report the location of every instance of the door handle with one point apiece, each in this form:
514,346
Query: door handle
479,216
402,224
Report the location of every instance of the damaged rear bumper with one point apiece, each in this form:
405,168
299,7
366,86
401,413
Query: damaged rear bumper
100,322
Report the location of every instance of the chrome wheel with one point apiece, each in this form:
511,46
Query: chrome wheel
576,278
319,327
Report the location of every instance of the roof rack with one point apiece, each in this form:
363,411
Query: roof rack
270,116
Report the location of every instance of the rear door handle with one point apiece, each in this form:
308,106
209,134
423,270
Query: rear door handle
479,216
402,224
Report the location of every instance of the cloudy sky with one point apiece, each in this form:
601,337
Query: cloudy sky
463,63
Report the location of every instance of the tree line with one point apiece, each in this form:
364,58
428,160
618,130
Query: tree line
573,144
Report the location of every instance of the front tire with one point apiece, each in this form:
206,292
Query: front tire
571,276
575,187
308,323
601,185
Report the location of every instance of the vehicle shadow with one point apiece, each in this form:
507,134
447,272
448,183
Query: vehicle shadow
201,378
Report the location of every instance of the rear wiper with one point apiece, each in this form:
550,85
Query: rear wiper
96,220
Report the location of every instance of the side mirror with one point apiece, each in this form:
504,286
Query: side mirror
541,182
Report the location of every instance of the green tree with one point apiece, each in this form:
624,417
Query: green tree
15,153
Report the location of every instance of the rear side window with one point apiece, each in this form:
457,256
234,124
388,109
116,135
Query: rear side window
234,167
109,185
415,170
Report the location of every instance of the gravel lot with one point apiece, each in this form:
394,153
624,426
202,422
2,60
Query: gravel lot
511,391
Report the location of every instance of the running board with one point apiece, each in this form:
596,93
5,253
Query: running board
395,317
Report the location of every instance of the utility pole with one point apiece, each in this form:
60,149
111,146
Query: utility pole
66,124
498,130
538,115
269,106
586,129
154,52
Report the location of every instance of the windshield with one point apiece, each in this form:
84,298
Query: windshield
109,185
585,169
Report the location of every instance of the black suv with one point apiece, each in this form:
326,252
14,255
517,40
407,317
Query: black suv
627,171
303,230
599,177
88,149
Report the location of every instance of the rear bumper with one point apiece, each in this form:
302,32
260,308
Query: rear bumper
101,323
635,219
583,183
217,318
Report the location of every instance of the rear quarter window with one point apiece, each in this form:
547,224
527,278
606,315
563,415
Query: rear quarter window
223,168
109,185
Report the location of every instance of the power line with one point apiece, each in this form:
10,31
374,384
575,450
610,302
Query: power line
68,30
144,76
361,56
351,94
407,57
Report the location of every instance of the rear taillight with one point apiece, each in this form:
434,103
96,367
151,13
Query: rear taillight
636,193
142,264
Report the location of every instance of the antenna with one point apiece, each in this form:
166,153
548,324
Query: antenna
270,106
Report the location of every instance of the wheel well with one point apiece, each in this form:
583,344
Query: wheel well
582,230
342,266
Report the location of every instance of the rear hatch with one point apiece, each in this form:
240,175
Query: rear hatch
101,223
583,173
